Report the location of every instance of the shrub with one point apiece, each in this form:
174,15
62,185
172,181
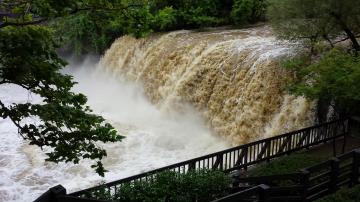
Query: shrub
344,195
287,164
203,185
248,11
165,19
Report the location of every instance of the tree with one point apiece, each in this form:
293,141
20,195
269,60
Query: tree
94,30
330,20
333,80
329,74
28,59
248,11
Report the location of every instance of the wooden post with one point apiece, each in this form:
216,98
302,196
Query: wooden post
334,175
305,179
355,168
263,193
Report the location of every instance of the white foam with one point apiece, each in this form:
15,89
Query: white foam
153,139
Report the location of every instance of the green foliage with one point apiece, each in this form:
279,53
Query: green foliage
101,28
327,75
334,78
284,165
313,21
95,30
248,11
28,59
344,195
204,185
165,19
199,13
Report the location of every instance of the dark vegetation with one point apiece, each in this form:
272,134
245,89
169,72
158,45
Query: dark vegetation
201,186
285,165
101,28
344,195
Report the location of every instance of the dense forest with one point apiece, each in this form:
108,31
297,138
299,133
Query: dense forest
31,32
141,18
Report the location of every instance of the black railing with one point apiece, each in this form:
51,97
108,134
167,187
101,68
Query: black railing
245,155
308,185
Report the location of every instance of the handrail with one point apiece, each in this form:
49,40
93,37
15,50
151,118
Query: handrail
242,156
306,188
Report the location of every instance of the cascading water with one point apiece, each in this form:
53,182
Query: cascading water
153,138
231,76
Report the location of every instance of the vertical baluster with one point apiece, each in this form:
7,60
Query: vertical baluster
226,157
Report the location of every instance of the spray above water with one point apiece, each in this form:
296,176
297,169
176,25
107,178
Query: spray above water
153,138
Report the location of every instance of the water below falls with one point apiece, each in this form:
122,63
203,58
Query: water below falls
154,138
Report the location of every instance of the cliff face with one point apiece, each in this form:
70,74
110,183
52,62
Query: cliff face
231,76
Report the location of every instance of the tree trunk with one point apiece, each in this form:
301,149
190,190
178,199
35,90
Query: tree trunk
348,32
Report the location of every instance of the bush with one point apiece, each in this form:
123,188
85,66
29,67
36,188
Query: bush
334,79
165,19
203,185
248,11
344,195
285,165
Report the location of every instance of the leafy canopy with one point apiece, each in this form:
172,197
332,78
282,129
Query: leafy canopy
329,20
334,78
248,11
329,73
102,28
28,59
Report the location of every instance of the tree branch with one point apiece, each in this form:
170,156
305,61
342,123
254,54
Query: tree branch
347,30
17,124
18,24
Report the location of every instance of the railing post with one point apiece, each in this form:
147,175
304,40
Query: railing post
192,166
246,158
334,175
305,179
268,153
219,162
263,193
52,194
308,137
355,168
289,145
346,134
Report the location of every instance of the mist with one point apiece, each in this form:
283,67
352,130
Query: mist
154,138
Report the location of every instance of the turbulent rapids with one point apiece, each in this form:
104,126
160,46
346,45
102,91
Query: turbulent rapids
231,76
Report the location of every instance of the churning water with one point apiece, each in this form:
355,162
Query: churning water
154,138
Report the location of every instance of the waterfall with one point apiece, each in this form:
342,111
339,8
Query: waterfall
206,89
232,77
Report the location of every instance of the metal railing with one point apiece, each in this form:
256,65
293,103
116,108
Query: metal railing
241,157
